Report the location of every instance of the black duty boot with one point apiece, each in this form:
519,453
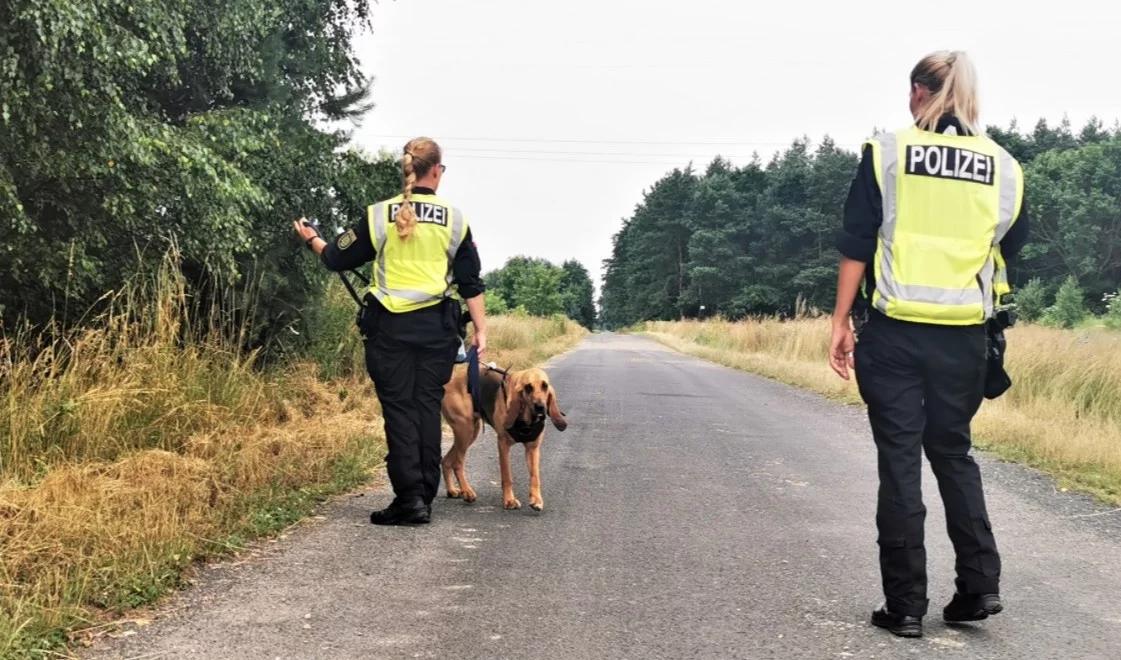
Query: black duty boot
897,624
971,607
402,514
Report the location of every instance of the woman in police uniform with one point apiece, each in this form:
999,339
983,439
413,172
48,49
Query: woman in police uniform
935,212
420,245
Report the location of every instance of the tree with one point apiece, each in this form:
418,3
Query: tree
542,289
1074,196
758,239
131,127
577,293
648,267
530,284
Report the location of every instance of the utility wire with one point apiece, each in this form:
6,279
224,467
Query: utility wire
545,152
678,163
588,141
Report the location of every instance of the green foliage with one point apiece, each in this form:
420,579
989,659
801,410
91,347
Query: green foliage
496,304
129,127
538,288
1031,300
577,293
734,241
754,240
646,274
1074,196
1112,316
1070,306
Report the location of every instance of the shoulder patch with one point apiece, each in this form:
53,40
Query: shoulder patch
347,239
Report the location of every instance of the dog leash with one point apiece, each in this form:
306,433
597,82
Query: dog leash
474,387
474,382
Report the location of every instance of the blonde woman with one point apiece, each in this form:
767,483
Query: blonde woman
420,246
934,214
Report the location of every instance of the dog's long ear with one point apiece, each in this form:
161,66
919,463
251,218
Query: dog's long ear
515,402
555,413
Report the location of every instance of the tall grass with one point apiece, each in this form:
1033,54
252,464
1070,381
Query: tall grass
520,341
1063,413
140,376
148,440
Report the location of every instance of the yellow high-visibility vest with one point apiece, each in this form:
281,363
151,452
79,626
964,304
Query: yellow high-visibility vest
416,272
948,201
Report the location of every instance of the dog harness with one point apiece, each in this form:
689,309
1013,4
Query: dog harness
522,431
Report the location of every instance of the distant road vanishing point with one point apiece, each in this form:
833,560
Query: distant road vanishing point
692,511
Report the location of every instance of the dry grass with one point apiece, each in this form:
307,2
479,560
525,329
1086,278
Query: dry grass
132,449
518,342
1062,415
790,351
94,538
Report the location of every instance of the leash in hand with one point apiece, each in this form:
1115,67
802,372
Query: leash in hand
314,224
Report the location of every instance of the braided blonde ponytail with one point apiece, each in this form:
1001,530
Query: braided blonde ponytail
952,81
421,155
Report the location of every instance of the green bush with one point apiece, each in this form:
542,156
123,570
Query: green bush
1070,307
496,304
1112,316
1031,300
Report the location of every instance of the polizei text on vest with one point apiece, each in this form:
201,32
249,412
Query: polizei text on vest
949,163
425,212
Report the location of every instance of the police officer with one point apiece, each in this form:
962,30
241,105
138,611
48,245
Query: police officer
420,246
937,210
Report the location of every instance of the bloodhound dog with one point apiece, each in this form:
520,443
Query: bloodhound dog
515,405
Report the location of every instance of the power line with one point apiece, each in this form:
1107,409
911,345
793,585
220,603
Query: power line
545,152
589,141
573,160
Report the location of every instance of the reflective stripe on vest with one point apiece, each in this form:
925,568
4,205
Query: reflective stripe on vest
417,272
938,256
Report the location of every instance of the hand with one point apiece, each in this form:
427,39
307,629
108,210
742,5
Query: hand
479,341
841,349
305,230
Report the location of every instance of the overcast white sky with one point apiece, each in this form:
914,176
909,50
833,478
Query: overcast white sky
554,116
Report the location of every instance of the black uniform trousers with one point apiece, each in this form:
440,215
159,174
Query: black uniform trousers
410,358
923,384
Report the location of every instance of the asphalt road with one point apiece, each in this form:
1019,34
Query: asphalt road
691,511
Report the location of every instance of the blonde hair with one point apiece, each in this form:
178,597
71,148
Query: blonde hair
952,81
421,155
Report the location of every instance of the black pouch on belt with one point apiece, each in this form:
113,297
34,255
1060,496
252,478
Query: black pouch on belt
453,314
368,317
997,380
